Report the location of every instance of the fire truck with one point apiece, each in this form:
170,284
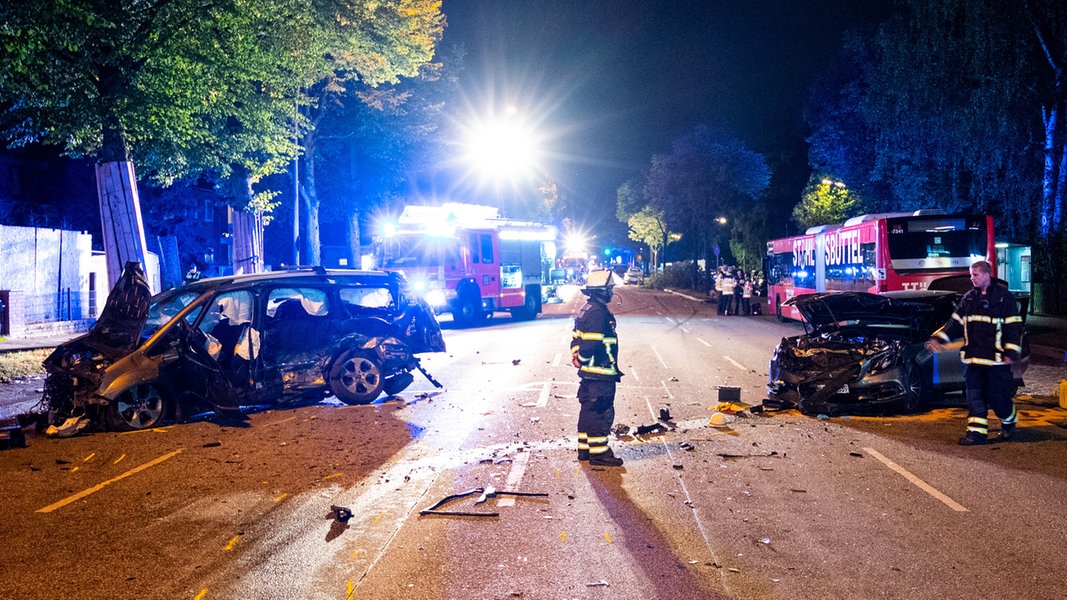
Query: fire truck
468,261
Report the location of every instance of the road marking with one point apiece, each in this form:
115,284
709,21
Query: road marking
661,361
558,359
929,489
100,486
633,372
665,389
735,363
703,342
542,400
518,469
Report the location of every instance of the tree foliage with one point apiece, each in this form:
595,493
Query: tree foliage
826,201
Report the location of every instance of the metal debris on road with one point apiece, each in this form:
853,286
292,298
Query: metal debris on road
483,494
341,513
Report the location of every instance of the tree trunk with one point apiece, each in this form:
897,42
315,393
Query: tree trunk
120,218
311,196
355,250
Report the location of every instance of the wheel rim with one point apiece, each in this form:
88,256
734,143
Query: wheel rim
140,406
360,376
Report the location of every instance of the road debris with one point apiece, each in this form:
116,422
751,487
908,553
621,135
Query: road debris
341,513
483,494
600,583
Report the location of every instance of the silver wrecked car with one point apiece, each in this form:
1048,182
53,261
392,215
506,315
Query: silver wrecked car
863,353
226,342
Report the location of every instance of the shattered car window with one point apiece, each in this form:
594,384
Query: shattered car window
166,308
367,297
295,303
227,325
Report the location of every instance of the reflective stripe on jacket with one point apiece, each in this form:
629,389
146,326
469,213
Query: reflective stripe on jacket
989,324
593,342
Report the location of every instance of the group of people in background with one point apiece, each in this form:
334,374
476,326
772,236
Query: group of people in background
739,293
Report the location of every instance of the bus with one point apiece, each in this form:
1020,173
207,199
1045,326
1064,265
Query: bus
875,253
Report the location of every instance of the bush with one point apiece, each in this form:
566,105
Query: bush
676,276
22,364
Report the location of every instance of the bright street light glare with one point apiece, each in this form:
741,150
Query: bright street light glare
502,149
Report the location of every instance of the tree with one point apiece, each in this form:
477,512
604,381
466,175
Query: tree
376,43
648,227
73,73
825,201
709,174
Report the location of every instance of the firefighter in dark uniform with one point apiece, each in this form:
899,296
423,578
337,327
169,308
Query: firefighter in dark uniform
595,351
987,318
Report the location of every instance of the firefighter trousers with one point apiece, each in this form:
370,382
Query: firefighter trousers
595,416
989,388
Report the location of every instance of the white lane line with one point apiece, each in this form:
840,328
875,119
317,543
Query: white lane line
661,361
685,329
664,384
735,363
703,342
542,400
518,469
693,508
558,359
929,489
100,486
632,371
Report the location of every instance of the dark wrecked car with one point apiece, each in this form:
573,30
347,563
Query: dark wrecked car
221,343
863,354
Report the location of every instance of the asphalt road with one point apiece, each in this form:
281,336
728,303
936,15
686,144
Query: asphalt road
775,505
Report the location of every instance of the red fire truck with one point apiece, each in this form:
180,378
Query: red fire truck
467,260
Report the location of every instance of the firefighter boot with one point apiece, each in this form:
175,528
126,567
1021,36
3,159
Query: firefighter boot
605,459
1005,435
583,446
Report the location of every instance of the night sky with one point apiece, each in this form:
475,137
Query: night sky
610,83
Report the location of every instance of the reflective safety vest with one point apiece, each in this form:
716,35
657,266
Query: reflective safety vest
593,342
989,324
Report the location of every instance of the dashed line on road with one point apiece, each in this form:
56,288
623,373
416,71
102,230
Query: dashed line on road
100,486
661,361
929,489
735,363
518,469
558,359
703,342
542,400
665,389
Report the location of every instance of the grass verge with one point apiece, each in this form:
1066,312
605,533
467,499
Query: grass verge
22,363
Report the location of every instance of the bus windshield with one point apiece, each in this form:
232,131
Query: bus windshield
936,243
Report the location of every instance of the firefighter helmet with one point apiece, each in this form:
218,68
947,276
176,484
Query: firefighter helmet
599,280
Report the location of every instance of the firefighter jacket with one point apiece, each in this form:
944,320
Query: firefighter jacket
989,324
594,347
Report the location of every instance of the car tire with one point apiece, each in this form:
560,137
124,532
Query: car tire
356,378
142,406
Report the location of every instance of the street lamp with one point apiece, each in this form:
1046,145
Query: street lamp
502,149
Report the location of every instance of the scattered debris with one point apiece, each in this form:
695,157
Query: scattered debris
600,583
646,429
212,444
483,494
516,361
719,419
769,454
620,429
687,446
12,437
678,467
341,513
664,414
69,428
856,454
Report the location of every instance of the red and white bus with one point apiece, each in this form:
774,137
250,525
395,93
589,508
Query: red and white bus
875,253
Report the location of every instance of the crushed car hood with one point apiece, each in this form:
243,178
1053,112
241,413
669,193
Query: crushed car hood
117,330
914,314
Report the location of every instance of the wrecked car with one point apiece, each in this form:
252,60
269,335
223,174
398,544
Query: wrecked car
222,343
864,353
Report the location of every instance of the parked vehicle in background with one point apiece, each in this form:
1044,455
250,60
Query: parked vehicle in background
466,260
864,353
875,253
226,342
633,276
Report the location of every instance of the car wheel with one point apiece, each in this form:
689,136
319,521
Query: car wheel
913,389
356,378
531,306
142,406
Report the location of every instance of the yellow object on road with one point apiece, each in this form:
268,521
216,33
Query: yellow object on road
1063,393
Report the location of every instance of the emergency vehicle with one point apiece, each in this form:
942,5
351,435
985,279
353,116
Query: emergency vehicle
467,260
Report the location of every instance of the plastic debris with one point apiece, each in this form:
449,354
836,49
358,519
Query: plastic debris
600,583
69,428
341,513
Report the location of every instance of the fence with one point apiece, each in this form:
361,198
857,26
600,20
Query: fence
67,305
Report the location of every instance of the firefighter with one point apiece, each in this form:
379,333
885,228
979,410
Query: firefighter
595,352
987,318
